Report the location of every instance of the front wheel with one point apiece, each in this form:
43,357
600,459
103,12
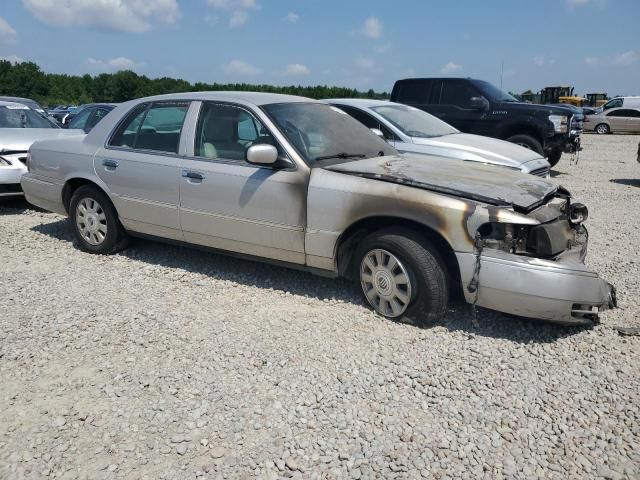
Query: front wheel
402,275
554,156
527,141
95,222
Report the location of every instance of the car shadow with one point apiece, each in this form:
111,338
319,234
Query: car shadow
15,206
555,174
459,318
632,182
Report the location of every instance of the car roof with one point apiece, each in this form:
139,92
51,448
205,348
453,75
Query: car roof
5,103
255,98
637,109
360,102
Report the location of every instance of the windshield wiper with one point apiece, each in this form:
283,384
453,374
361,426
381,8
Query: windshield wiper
341,155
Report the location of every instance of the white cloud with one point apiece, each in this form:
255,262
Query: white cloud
240,68
365,63
577,3
372,28
293,17
509,72
451,67
238,10
118,15
296,70
539,60
625,58
384,48
12,58
113,64
591,60
7,33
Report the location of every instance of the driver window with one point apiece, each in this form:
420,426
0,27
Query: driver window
226,131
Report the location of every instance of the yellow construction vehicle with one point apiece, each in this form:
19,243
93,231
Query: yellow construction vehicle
597,99
560,95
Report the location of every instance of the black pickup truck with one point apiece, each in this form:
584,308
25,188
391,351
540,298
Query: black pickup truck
476,106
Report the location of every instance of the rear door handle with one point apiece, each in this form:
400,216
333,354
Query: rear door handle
110,165
193,177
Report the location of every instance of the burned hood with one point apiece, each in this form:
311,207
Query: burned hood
482,183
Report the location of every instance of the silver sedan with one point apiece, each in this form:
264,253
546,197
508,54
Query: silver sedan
411,130
299,182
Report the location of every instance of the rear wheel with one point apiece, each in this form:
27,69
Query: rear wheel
402,276
95,222
602,129
527,141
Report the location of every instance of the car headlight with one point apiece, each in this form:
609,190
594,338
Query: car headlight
560,123
4,162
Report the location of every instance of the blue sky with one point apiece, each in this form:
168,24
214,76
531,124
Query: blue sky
591,44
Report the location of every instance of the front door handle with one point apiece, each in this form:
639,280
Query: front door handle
193,177
110,165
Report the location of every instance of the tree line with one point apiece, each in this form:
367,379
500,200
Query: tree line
26,79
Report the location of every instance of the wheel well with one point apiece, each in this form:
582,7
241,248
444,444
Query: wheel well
356,232
71,186
522,130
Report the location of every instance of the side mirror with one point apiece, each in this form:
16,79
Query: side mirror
262,154
479,103
378,132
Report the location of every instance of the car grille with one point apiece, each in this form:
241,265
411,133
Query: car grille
540,172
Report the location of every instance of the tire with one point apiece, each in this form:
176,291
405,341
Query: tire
527,141
416,288
602,129
95,222
554,156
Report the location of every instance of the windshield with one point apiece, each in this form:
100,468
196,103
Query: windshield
414,122
22,117
323,133
493,92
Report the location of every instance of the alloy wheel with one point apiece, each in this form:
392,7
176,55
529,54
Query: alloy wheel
385,282
91,221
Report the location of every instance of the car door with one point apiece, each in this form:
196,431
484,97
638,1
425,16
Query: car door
617,120
633,121
141,167
230,204
454,105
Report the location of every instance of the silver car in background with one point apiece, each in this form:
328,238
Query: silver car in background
411,130
299,182
20,126
614,120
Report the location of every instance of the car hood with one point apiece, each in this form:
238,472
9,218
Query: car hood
534,108
20,139
482,183
481,149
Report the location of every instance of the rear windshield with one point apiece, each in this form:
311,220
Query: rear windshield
22,117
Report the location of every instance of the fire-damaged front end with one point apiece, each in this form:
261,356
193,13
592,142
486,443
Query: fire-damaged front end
519,240
536,268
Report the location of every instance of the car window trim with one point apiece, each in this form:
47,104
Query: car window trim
231,161
108,145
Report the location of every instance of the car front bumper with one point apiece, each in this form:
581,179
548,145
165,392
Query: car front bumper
10,178
563,291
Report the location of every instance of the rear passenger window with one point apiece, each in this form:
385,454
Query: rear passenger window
156,128
414,92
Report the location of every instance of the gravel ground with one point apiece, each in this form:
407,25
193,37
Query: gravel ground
170,363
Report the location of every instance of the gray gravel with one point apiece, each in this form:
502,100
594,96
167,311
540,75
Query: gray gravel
170,363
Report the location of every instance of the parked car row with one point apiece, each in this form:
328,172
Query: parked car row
303,183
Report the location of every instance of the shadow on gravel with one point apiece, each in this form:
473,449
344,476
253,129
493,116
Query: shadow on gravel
263,275
15,206
555,174
632,182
